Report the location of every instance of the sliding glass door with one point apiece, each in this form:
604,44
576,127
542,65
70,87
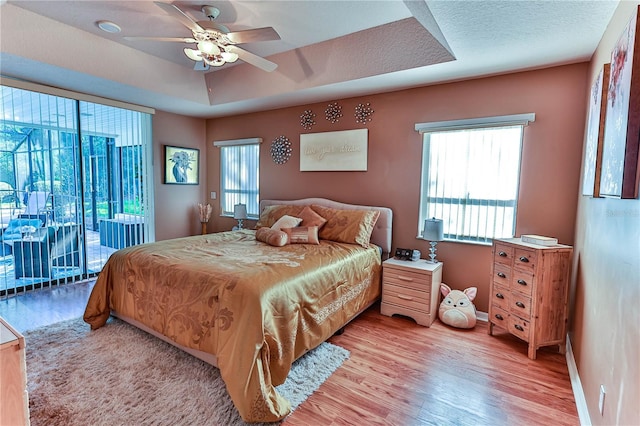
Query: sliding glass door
75,185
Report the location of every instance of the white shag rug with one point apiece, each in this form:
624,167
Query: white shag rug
120,375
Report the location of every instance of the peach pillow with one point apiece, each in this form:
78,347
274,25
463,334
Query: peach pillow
302,235
272,237
286,221
311,218
271,214
347,226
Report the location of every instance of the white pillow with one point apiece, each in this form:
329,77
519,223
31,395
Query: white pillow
286,221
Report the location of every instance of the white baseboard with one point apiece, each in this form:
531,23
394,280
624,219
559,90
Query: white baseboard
576,385
482,316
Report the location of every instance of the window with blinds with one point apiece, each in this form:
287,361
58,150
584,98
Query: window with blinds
240,175
470,176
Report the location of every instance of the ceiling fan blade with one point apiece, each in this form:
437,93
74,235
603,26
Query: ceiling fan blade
256,34
250,58
174,39
185,19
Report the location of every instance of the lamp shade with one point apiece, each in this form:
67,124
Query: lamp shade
433,230
240,211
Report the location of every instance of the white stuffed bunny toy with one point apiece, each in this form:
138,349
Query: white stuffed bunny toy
457,308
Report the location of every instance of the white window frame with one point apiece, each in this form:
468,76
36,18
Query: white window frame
240,193
426,130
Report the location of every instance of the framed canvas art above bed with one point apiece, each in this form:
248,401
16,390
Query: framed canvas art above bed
181,165
619,175
595,134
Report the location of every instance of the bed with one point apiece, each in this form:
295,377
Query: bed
246,306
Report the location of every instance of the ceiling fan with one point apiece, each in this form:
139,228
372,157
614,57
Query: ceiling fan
216,45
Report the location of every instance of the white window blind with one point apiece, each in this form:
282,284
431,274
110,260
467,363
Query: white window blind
240,175
470,176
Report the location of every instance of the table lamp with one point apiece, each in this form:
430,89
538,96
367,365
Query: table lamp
240,214
433,232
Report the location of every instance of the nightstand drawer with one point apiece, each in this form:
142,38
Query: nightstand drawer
522,282
519,327
524,259
406,278
502,275
503,254
401,296
521,306
499,316
500,297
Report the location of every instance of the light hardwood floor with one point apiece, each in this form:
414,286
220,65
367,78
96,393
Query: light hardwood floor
399,373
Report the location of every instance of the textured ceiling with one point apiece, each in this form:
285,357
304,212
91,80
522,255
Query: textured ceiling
328,49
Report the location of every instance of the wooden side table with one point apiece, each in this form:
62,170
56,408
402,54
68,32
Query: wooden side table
411,289
14,404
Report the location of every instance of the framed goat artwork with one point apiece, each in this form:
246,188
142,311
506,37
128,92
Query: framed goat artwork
181,165
620,173
595,133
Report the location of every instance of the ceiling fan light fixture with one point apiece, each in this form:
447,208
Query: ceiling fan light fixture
208,47
229,56
194,55
108,26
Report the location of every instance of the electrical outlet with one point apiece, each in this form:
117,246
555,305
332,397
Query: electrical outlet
601,400
213,195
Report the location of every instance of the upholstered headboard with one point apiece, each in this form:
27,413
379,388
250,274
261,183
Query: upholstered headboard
381,235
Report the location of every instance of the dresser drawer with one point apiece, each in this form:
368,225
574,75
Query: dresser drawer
524,259
519,327
406,278
499,316
501,297
503,254
502,275
402,296
522,282
520,305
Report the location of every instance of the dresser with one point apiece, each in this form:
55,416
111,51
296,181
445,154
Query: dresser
14,401
411,289
529,292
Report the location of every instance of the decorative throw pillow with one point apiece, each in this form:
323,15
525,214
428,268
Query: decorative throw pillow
272,237
347,226
311,218
271,214
302,235
286,221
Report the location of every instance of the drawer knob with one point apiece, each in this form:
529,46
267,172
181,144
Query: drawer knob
519,327
522,282
502,254
502,275
499,296
500,317
401,278
524,259
520,305
403,297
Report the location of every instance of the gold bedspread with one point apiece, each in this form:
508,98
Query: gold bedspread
257,308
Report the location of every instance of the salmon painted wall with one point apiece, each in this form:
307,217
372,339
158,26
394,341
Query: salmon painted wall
551,157
176,205
605,327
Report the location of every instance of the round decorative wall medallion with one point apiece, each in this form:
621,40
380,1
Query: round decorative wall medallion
281,150
363,113
333,112
307,119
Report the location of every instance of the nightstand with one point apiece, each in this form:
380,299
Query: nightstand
411,289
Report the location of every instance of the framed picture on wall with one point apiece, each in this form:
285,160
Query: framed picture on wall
619,174
595,133
181,165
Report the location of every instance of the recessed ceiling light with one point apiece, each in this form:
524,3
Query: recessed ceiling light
108,26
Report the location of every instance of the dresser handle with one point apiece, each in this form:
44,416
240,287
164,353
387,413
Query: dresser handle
403,297
502,275
499,317
401,278
524,259
499,296
522,282
502,254
519,327
520,305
